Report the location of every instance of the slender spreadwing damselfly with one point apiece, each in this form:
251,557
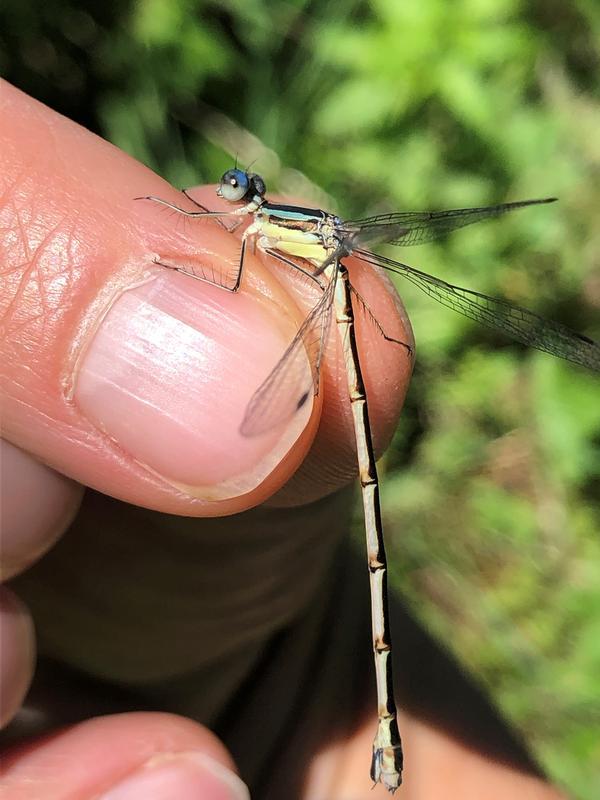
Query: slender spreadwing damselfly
316,243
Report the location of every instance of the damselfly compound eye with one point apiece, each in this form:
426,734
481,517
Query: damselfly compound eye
258,185
234,185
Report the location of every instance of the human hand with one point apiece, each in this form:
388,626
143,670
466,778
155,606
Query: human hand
129,379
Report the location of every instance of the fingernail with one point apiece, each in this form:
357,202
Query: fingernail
180,776
169,373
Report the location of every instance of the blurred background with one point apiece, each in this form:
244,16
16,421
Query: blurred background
491,487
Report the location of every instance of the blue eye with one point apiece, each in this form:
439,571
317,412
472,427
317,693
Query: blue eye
234,185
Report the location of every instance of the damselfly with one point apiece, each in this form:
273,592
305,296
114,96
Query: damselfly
316,243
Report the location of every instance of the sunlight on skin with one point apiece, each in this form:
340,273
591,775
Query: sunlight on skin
438,767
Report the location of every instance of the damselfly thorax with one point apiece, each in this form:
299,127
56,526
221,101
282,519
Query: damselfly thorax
302,232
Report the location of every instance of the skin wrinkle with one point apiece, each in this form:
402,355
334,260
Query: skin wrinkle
28,267
26,324
37,266
49,276
83,438
58,245
11,157
32,277
60,240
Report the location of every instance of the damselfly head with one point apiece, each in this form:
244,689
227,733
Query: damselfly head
237,186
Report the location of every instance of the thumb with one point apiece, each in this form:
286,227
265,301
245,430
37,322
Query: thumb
125,376
123,757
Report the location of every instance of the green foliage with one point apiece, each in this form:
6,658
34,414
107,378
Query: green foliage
491,487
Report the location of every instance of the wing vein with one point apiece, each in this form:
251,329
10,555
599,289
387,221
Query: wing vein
521,324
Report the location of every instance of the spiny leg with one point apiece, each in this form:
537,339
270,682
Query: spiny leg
409,349
238,279
189,273
185,212
228,228
216,215
212,281
269,251
195,202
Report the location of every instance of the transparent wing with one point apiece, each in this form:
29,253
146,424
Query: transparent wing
418,227
293,380
518,323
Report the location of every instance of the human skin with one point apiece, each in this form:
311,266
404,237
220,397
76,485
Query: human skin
125,377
